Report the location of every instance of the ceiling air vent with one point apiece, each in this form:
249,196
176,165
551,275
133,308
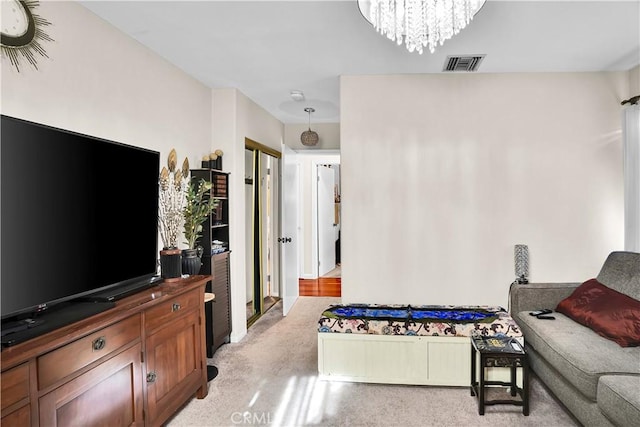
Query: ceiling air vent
463,63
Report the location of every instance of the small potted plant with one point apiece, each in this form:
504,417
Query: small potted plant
173,185
199,205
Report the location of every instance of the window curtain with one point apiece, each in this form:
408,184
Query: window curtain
631,136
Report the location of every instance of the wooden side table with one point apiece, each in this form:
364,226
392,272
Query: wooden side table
500,352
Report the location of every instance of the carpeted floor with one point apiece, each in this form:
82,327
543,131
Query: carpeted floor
270,378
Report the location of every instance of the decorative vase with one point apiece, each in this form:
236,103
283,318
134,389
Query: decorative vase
191,261
170,266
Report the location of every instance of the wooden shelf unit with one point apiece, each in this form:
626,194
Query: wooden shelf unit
216,228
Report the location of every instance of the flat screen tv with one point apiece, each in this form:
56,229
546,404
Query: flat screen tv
78,216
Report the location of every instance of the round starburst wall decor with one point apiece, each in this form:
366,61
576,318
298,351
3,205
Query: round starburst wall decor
22,32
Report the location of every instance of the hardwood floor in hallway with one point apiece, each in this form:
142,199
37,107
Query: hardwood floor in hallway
321,287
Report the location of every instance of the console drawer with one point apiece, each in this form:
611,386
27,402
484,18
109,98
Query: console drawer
66,360
173,308
15,385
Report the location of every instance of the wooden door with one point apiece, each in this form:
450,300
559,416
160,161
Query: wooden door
108,395
289,175
174,365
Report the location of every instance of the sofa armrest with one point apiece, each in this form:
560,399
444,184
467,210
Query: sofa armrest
534,296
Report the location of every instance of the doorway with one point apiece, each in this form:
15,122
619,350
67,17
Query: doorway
321,196
328,220
262,220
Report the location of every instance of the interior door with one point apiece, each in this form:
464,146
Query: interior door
289,228
326,218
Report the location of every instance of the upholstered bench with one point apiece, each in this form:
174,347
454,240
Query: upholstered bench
406,344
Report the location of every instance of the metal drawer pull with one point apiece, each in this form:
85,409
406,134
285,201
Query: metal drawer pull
175,306
99,343
151,377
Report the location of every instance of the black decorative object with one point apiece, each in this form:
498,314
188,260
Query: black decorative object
215,160
170,265
631,101
191,261
212,372
22,39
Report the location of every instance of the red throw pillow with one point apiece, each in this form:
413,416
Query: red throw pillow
609,313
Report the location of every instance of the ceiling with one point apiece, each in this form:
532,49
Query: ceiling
268,48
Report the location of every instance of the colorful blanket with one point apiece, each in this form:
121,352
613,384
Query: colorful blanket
433,320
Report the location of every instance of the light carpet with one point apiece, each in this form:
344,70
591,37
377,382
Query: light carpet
271,378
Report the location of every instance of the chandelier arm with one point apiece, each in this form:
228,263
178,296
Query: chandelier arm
419,23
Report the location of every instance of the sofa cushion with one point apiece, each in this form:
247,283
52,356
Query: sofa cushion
619,398
621,272
578,352
609,313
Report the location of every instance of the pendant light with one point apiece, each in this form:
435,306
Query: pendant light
309,137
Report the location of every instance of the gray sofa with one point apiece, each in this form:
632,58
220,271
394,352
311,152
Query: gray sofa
594,377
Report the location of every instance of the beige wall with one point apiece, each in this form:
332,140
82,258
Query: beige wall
443,174
328,136
634,81
236,117
102,83
105,84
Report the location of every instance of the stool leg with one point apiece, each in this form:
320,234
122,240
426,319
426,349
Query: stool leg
513,378
525,386
473,369
481,386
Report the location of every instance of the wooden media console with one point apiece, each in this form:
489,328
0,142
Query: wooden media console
135,364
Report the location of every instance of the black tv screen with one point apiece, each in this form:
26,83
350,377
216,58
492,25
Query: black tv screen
78,215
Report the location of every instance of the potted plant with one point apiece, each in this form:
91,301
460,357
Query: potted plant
173,184
199,206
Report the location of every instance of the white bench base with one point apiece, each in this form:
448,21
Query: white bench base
399,359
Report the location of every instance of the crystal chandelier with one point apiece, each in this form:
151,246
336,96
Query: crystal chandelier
419,22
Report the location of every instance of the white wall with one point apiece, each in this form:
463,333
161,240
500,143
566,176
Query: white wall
328,135
631,136
99,82
236,117
631,131
443,174
634,82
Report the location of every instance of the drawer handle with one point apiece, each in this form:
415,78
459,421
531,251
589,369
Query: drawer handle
175,306
151,377
99,343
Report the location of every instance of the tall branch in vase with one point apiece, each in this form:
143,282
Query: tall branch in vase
199,206
173,185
